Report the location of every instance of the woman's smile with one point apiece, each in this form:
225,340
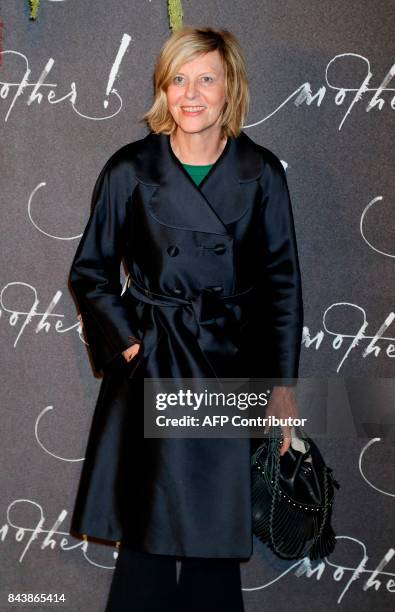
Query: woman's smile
192,110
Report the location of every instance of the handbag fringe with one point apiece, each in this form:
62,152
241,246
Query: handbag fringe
290,529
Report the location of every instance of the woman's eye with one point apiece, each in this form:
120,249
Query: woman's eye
180,80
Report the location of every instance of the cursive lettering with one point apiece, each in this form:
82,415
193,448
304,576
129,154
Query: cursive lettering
303,93
26,316
354,339
49,536
351,574
14,90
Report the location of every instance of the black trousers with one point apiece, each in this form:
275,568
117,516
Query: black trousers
144,582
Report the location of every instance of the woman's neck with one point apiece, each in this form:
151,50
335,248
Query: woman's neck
197,148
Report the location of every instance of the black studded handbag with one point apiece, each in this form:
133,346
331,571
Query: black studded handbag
292,497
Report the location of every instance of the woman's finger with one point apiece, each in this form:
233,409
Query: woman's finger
286,432
285,445
131,352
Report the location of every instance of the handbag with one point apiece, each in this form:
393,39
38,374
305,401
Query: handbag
292,497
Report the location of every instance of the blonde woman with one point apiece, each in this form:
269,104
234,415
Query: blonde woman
202,218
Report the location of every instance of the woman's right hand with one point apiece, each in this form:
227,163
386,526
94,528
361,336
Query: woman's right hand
131,352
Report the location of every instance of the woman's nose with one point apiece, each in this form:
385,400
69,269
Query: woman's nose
191,90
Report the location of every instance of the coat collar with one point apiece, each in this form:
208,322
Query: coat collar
218,201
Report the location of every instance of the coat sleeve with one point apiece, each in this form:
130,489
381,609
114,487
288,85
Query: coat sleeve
282,277
95,271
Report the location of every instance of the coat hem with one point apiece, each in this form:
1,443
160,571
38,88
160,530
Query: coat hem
187,554
155,551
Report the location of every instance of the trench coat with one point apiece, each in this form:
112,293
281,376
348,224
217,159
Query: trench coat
214,290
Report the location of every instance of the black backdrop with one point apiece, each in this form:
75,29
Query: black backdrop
323,101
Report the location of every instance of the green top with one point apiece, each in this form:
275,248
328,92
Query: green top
196,172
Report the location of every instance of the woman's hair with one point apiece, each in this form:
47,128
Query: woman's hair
184,45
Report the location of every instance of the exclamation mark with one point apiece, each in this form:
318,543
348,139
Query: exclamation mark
115,67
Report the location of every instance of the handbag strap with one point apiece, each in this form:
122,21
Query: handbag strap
276,487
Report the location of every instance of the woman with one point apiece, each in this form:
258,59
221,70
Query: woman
201,215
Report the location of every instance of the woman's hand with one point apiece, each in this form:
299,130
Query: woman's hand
131,352
282,404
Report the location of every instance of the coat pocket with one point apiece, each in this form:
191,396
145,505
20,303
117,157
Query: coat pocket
149,338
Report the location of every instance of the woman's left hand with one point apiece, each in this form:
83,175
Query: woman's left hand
282,404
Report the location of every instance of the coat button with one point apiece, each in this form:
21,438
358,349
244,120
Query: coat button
173,251
220,249
217,289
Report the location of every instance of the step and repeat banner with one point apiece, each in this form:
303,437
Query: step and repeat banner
74,83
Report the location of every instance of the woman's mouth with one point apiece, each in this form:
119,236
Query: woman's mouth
192,110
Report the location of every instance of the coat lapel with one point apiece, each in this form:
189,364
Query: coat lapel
219,200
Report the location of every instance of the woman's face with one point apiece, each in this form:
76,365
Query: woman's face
196,94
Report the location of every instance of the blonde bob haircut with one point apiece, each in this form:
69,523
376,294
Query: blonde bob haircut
184,45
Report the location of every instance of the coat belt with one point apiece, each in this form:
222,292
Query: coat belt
207,305
219,320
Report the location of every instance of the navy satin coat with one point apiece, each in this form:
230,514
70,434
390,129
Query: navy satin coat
214,290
